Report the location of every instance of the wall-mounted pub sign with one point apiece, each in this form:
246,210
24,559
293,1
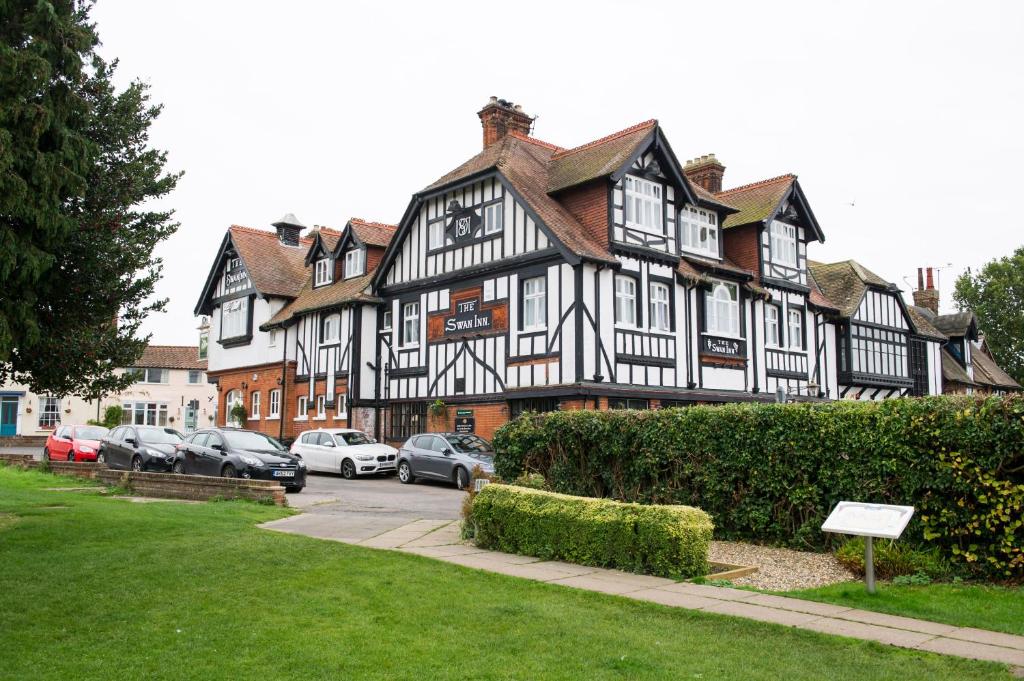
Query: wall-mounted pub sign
468,318
464,421
236,278
464,223
723,347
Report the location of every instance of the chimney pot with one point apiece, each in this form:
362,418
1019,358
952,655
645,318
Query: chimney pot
705,171
500,117
926,295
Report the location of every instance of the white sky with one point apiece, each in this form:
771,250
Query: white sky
911,111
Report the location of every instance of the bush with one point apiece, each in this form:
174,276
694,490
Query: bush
111,417
670,541
773,472
893,559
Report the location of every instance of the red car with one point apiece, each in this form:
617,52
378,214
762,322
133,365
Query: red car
74,443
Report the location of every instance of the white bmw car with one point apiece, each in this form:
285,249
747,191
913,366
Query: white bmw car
346,451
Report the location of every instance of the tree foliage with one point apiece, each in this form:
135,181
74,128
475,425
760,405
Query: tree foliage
76,245
996,295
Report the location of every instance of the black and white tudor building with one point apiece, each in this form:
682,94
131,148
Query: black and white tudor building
609,275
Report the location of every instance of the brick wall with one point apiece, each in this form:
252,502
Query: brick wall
195,487
263,378
742,246
589,204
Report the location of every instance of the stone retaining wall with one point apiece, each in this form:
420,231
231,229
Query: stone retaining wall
195,487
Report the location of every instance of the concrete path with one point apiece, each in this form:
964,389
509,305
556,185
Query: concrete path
438,538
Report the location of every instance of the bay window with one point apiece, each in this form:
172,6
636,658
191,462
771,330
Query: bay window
535,308
625,300
410,323
698,231
354,262
772,329
796,328
659,307
643,204
322,274
783,240
722,308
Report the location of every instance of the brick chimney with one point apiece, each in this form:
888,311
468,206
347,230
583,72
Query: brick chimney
705,171
500,117
926,294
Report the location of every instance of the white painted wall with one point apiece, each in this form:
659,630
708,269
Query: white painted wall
259,350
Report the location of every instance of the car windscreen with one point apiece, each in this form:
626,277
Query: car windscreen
469,444
242,439
90,432
352,438
160,436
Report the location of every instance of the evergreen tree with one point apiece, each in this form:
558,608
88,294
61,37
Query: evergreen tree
76,266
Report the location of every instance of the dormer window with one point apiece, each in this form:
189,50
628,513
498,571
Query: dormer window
783,243
322,274
355,262
643,205
698,231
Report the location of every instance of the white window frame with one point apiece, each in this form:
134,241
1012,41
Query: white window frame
722,309
321,407
143,375
355,262
644,200
388,320
795,328
698,231
772,328
340,407
254,404
410,324
323,272
435,235
234,318
198,374
535,303
230,400
272,338
660,309
625,301
493,218
330,329
49,412
302,408
275,404
784,247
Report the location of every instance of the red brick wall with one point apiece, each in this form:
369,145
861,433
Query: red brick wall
742,246
373,257
589,204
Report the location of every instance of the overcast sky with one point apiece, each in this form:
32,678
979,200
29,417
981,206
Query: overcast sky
902,120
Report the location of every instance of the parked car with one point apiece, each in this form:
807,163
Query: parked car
73,443
139,448
344,450
444,456
237,453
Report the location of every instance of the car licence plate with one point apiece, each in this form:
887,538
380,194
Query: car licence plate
284,474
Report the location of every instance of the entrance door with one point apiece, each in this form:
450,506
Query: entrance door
8,416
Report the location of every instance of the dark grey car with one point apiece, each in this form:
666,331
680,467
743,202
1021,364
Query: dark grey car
444,456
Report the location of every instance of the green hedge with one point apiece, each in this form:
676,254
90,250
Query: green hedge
773,472
671,541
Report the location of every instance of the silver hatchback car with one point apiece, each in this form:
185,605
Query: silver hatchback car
444,456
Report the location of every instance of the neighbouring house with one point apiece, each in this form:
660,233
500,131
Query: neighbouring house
170,390
537,277
967,364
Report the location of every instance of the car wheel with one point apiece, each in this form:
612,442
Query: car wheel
293,490
101,458
46,453
348,469
461,478
178,467
405,475
137,463
228,472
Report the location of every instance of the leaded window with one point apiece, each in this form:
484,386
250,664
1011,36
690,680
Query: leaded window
407,418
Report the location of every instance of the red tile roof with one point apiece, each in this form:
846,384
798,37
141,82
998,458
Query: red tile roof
756,201
372,233
171,357
274,268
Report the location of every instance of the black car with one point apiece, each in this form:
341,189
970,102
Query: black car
237,453
139,448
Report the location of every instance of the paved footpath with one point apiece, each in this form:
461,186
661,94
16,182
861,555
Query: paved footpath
439,538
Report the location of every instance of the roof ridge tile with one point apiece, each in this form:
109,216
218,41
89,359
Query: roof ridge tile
607,138
759,183
534,140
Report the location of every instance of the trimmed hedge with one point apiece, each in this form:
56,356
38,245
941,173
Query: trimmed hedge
670,541
773,472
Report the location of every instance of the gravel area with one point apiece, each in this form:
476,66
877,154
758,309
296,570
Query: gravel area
780,569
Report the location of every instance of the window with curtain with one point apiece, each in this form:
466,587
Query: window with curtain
235,318
355,260
323,272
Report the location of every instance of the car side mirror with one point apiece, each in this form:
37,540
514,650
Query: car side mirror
218,446
447,452
131,441
329,444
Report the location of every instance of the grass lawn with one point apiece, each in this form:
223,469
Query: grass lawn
965,605
98,588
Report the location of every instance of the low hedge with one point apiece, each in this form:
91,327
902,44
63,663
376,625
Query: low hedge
772,473
670,541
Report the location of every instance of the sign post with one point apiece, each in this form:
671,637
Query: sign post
884,521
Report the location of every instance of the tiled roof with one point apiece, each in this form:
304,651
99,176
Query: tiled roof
955,324
952,372
524,162
756,201
171,357
602,157
372,233
311,299
705,195
922,323
817,298
844,282
274,268
988,373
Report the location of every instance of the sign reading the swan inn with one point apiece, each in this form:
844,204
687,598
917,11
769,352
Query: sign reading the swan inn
723,347
468,318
